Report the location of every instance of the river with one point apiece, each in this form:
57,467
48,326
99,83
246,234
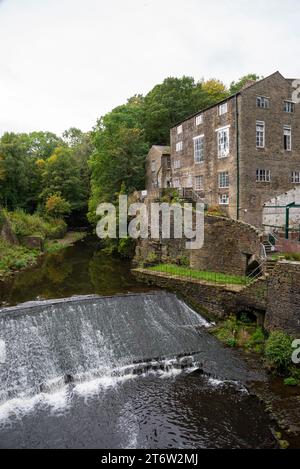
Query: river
132,368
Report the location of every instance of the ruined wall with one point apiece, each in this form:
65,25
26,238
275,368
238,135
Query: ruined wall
228,247
283,299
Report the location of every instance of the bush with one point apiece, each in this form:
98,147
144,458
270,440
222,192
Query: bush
56,206
278,351
15,257
290,381
126,247
292,256
151,257
227,332
256,341
184,261
24,224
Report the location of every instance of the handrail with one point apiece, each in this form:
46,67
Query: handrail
263,252
258,270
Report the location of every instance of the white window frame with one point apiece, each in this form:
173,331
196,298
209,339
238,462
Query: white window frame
177,164
295,177
287,132
223,108
179,146
198,149
289,106
199,182
179,129
263,175
223,140
223,178
224,199
199,119
264,101
260,134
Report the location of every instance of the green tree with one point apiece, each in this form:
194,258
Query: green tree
119,157
61,174
18,173
236,86
174,100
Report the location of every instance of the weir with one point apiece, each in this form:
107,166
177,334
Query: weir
53,342
121,371
50,343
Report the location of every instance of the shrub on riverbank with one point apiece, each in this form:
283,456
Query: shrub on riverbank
24,224
275,350
278,351
14,257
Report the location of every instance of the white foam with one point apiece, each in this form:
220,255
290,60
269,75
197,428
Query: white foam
218,383
2,352
18,407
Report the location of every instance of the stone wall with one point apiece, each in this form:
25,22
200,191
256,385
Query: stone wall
283,299
229,246
214,300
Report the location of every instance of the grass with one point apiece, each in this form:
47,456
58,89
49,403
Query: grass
289,256
216,277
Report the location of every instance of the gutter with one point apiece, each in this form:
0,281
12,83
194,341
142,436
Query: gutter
237,159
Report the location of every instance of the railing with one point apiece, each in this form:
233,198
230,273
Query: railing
263,252
258,272
191,274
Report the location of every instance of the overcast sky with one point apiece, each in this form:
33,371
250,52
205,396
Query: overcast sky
65,63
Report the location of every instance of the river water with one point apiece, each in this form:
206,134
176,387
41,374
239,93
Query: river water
131,369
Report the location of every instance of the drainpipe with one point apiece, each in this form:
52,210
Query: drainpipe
237,159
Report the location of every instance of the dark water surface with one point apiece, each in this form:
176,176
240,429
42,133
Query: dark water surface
133,371
81,269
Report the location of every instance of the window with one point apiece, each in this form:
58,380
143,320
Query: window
260,134
262,102
223,199
179,130
223,108
287,138
153,166
295,177
289,106
179,146
177,164
223,142
263,175
199,149
175,182
199,119
199,180
224,180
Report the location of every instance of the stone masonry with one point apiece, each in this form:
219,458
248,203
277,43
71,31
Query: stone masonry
246,195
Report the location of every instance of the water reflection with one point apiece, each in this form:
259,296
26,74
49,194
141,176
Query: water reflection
78,270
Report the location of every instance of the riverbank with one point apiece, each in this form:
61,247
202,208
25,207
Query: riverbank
280,393
15,258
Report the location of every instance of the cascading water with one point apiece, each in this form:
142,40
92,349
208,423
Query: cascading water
99,372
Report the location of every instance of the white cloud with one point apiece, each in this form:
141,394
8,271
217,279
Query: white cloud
66,62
